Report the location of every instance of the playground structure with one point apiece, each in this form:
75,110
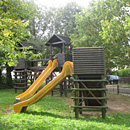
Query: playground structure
23,104
35,86
88,73
22,70
30,70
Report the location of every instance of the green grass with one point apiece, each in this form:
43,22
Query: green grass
54,113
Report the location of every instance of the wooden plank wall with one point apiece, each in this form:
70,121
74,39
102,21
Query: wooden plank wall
88,60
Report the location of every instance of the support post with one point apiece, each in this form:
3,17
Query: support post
61,89
118,89
80,101
51,59
103,101
50,51
65,88
76,101
63,48
68,81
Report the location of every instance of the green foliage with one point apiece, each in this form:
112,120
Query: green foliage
123,72
115,72
53,113
105,23
14,18
52,21
115,36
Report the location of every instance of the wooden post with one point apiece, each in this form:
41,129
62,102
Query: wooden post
15,81
76,101
80,101
103,101
26,80
65,88
61,89
51,80
63,48
51,59
50,51
118,89
52,93
113,88
68,81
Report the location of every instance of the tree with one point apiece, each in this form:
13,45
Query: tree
89,27
65,20
41,28
52,21
116,36
14,18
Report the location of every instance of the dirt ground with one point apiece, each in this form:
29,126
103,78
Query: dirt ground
118,103
115,103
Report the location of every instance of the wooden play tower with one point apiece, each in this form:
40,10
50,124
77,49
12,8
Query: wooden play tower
63,49
20,71
60,49
89,71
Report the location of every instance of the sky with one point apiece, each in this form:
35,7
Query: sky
61,3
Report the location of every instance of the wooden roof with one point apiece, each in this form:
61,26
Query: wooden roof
27,44
57,41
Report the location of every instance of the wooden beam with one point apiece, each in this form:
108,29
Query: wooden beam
92,89
63,48
50,51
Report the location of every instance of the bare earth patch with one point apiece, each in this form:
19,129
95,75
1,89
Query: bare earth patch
6,110
115,103
118,103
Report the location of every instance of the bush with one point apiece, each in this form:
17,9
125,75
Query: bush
123,72
115,72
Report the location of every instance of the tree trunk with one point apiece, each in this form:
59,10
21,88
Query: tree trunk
9,81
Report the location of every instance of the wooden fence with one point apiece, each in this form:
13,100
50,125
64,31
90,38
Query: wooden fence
124,80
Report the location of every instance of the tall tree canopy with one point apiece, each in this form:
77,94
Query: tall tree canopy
116,36
53,21
14,18
105,23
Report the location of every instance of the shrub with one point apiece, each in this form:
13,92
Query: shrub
115,72
123,72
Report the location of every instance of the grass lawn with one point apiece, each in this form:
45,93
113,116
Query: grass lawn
54,113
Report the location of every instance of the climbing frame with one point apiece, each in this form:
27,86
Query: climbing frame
20,81
90,89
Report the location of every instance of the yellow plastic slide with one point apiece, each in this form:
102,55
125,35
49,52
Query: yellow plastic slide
67,70
34,87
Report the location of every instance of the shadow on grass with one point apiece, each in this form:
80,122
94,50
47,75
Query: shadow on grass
112,119
49,114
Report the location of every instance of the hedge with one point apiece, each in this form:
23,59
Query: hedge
123,72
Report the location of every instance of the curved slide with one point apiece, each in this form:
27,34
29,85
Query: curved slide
22,106
34,87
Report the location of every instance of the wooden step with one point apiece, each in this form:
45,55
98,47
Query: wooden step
90,107
20,83
89,89
98,80
99,98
